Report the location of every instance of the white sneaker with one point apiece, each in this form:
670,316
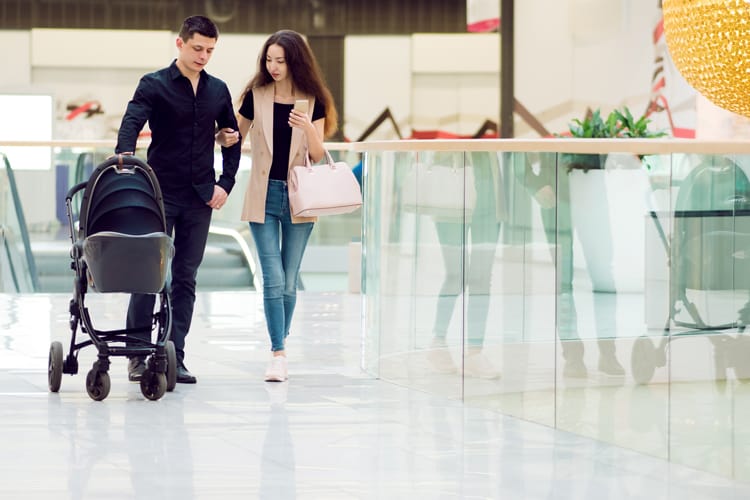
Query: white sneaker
277,371
479,366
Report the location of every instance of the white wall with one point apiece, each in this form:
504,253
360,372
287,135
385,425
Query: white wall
455,81
613,51
575,54
543,55
235,60
377,75
16,74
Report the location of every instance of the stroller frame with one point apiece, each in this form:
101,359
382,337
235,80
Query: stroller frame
160,374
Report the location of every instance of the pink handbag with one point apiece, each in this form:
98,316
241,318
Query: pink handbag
326,189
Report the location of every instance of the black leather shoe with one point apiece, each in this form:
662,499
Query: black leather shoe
183,375
136,367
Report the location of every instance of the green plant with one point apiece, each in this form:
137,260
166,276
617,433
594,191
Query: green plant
593,126
619,124
632,128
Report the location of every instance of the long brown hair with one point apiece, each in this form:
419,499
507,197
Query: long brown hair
304,71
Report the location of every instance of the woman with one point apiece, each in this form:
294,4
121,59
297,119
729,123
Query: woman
280,137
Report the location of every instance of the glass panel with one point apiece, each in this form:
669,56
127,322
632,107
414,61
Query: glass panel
15,270
70,167
378,170
610,294
437,215
510,287
414,283
389,267
709,283
602,222
740,338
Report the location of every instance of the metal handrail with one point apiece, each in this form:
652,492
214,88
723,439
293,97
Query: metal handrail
30,262
11,266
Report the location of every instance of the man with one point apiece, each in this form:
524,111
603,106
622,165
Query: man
183,105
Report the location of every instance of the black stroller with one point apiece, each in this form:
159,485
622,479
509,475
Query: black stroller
710,252
121,245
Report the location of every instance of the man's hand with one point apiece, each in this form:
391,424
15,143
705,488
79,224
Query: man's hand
227,137
124,153
218,199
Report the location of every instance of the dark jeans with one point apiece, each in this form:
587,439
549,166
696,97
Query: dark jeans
189,227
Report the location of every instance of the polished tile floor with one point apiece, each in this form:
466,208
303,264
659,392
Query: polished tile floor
330,432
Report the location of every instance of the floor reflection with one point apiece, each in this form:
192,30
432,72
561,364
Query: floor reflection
331,431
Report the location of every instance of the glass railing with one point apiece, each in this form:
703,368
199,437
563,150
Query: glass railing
600,287
17,266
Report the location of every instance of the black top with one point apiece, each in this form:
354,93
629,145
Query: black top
182,127
282,132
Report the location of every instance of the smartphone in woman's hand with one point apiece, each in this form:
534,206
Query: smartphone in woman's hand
301,105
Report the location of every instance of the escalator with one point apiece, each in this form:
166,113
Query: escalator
18,273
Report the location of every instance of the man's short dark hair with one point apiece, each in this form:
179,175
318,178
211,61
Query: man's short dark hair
198,24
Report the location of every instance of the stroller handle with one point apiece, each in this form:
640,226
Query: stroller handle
74,190
123,162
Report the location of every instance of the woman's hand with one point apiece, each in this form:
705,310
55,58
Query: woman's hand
299,119
227,137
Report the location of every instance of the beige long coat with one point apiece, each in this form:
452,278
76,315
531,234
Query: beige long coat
261,150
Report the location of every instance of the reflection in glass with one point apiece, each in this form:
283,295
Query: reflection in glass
552,189
475,227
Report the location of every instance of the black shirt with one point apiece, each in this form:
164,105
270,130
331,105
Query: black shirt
282,132
182,124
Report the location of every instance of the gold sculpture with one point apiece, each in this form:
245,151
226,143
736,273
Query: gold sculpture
709,41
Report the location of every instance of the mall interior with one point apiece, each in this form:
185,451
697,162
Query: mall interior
541,297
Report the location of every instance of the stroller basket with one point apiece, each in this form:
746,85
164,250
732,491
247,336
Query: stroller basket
127,263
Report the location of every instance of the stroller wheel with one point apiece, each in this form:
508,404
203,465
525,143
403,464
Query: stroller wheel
643,360
153,385
55,366
97,384
171,366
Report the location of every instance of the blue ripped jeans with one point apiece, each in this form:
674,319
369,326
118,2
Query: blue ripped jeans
280,246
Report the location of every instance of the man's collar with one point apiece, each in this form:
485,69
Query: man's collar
174,71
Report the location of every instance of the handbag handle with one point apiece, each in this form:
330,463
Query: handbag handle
329,160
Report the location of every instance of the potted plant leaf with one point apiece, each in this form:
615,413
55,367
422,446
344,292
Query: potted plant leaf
620,123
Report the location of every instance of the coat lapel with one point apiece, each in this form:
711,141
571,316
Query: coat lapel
266,105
